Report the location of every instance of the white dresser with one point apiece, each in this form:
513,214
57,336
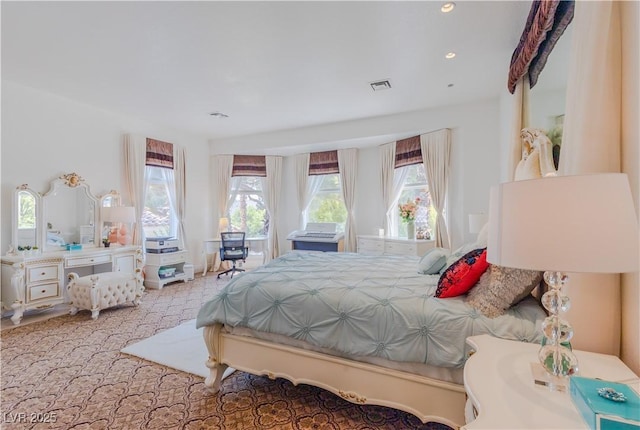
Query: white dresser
378,245
39,281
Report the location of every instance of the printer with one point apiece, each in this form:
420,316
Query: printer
161,245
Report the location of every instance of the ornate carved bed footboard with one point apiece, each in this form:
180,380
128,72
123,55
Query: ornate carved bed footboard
362,383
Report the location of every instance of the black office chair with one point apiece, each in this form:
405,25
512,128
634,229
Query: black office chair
233,249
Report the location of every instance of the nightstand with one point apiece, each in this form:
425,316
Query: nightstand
502,395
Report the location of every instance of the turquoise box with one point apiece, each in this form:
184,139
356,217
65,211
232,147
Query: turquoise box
601,413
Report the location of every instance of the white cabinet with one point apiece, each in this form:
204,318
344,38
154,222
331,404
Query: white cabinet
125,263
502,393
171,260
39,281
377,245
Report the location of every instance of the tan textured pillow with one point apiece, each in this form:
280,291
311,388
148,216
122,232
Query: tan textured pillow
499,288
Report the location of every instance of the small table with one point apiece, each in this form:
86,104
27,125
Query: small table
499,383
212,247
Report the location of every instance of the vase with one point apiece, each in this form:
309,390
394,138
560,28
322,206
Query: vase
411,230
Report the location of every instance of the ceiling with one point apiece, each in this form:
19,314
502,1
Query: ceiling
270,66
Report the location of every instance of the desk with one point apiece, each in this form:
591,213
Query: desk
212,247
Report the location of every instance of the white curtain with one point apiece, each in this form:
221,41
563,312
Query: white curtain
519,120
180,194
222,166
348,166
436,153
591,136
271,186
591,143
391,181
135,156
306,186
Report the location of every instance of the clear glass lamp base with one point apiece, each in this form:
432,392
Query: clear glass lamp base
545,379
556,357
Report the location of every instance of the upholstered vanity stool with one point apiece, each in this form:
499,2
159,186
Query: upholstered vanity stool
104,290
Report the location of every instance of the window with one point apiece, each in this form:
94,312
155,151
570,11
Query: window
327,204
159,217
247,211
415,185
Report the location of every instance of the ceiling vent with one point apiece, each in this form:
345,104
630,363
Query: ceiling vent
380,85
219,115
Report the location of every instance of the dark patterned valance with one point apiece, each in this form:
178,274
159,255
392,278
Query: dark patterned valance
249,165
546,22
323,163
159,154
408,152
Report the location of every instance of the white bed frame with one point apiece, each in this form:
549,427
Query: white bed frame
361,383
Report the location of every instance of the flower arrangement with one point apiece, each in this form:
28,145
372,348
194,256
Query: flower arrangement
409,209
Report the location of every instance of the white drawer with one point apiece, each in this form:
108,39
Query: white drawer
169,258
43,273
43,291
370,246
400,248
88,261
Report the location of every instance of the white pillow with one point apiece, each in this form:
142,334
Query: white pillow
433,261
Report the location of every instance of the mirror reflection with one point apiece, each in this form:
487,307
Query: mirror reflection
547,98
69,214
27,219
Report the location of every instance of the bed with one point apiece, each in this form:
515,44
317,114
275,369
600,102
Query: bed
367,328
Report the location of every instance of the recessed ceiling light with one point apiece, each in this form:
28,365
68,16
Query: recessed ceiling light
380,85
448,7
450,55
219,115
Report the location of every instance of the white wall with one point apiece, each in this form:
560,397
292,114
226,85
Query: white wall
475,160
44,136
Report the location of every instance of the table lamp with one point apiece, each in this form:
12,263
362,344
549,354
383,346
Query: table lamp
120,214
223,224
476,222
583,223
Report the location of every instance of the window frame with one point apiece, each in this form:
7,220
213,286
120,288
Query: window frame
334,190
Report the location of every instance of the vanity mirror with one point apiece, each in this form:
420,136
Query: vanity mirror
26,218
69,214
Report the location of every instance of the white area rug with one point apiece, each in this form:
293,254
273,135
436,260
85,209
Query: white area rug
181,348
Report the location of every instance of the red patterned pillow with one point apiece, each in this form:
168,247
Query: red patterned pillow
463,274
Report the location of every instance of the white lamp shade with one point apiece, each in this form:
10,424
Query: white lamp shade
223,224
476,222
584,223
124,214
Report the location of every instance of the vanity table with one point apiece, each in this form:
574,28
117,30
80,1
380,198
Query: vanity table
39,281
54,234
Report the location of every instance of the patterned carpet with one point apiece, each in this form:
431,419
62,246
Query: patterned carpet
69,370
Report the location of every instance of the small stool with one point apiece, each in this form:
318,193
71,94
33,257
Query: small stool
104,290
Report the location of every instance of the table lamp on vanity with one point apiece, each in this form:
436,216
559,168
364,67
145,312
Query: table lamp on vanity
551,224
124,215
